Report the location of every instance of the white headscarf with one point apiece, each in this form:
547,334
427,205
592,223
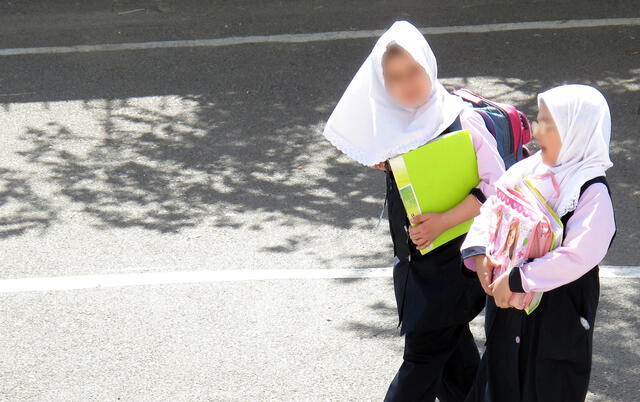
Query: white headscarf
582,117
369,126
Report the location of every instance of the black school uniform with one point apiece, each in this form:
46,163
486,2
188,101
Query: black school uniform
544,356
435,304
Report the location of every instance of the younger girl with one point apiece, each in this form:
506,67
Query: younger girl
395,104
546,356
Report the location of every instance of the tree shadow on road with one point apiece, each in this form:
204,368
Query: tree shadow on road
168,162
21,208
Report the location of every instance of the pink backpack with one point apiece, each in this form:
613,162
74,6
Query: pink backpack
509,126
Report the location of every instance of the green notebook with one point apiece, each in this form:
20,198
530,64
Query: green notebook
436,177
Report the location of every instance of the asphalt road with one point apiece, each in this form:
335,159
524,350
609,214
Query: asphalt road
212,158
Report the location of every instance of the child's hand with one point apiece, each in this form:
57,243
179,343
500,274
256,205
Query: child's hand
484,270
501,291
428,227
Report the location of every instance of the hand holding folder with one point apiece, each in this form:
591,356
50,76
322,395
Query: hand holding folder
426,228
436,177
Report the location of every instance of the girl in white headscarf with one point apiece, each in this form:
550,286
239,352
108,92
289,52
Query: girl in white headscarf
546,356
395,104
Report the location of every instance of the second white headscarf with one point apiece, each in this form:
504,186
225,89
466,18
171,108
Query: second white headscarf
581,115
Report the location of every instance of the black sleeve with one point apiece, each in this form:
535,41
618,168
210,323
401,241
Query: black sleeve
515,280
478,194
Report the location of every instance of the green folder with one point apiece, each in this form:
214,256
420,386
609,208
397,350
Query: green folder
436,177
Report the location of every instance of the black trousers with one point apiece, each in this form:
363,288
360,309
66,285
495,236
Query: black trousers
440,363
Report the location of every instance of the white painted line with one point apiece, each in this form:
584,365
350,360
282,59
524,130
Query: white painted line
619,271
55,283
173,277
319,36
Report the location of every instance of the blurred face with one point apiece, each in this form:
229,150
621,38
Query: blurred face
546,133
406,81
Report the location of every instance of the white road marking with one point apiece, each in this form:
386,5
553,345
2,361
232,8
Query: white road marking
619,271
172,277
56,283
319,36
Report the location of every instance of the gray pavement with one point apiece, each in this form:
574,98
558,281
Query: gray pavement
212,158
246,341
